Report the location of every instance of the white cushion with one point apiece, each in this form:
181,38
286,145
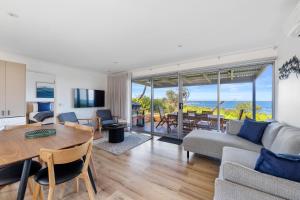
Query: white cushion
270,134
287,141
35,107
234,126
240,156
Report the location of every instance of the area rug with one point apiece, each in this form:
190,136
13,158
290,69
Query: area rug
170,140
131,140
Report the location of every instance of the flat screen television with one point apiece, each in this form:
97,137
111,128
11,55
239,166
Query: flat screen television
86,98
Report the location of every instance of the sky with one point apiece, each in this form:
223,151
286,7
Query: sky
229,92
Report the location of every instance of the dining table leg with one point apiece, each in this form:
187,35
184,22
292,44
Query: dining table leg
92,179
24,179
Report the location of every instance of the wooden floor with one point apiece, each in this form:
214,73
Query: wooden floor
154,170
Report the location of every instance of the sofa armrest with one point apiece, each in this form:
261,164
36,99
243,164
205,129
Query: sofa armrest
242,175
226,190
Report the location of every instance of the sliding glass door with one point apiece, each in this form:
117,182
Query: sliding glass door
199,92
165,105
141,105
175,104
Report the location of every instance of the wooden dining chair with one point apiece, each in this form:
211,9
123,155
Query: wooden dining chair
12,173
91,131
62,166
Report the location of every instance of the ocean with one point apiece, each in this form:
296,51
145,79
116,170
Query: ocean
266,106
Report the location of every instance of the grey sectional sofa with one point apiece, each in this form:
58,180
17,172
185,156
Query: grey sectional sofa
237,178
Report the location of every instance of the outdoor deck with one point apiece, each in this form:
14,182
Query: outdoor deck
160,130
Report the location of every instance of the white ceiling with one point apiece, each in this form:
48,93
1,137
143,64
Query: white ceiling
138,33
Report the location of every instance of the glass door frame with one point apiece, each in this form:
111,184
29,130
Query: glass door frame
203,70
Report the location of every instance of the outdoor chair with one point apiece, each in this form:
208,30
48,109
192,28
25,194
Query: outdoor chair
189,120
203,121
162,116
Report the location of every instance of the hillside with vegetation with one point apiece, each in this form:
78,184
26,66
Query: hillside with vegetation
170,104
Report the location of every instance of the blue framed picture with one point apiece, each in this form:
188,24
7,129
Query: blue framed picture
44,90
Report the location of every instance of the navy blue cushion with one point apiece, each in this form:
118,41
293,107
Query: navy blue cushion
108,122
104,114
44,106
252,130
68,117
280,165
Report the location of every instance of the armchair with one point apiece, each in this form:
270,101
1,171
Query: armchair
106,118
71,117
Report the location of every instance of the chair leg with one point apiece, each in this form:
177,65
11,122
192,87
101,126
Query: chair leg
31,185
188,154
63,187
51,193
88,185
37,191
93,168
41,194
77,185
158,123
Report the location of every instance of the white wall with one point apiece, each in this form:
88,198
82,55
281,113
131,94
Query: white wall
67,78
288,91
31,78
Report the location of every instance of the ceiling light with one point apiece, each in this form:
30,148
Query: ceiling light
115,62
179,45
14,15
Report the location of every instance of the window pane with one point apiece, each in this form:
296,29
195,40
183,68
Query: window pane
264,94
141,105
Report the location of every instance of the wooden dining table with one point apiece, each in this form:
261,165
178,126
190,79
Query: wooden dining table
14,147
173,117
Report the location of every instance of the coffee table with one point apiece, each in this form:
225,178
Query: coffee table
115,133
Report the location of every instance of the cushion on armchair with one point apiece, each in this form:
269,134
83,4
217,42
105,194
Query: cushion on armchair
68,117
104,114
108,122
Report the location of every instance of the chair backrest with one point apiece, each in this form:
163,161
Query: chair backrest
89,129
64,156
208,112
161,111
67,117
12,127
104,114
191,113
241,114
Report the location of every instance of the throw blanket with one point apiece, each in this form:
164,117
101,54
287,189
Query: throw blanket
41,116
